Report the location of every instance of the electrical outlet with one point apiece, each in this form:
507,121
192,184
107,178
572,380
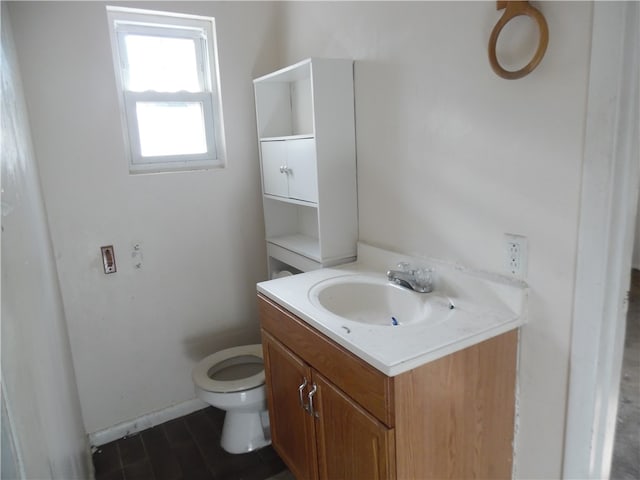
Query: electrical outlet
516,255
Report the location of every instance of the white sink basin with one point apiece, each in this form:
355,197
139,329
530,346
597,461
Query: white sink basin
353,305
371,300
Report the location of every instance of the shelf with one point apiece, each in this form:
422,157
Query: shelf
305,126
300,244
293,201
284,104
292,73
287,137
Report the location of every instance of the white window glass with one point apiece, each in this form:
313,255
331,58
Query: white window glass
161,64
167,80
174,128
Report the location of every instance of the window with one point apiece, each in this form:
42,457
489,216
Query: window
166,74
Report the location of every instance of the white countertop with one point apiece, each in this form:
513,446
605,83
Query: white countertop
486,305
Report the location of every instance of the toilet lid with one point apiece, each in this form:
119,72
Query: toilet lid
231,357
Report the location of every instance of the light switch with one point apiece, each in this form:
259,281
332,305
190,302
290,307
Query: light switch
108,259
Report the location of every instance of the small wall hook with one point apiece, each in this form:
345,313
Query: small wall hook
514,8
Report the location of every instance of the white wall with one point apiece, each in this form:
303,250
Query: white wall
635,261
450,157
38,383
136,334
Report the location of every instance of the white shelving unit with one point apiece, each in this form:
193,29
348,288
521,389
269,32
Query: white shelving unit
306,133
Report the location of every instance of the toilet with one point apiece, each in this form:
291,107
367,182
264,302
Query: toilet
233,380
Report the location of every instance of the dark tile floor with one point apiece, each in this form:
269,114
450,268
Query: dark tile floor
187,448
625,464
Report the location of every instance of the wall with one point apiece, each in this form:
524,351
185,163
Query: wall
450,157
136,334
635,262
38,382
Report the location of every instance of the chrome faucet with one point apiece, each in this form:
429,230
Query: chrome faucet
416,279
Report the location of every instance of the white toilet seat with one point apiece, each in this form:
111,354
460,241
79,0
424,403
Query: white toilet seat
200,373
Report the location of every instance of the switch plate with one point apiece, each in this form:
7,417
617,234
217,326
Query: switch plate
516,252
136,255
108,259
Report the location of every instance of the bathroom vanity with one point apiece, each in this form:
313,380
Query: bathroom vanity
433,398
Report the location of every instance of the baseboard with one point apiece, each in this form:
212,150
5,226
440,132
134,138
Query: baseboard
148,420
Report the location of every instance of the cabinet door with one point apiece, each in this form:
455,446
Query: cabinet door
351,443
292,428
274,159
301,164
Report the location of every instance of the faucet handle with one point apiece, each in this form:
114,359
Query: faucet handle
424,277
405,266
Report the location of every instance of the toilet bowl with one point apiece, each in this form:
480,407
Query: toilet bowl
233,380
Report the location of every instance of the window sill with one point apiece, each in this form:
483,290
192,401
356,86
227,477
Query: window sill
137,169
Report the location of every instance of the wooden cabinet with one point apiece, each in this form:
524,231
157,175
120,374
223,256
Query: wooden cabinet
306,410
351,443
306,132
292,428
450,418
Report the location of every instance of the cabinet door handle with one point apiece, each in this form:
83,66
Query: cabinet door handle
284,169
311,410
301,388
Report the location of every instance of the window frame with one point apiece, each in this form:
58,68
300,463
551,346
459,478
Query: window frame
123,21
